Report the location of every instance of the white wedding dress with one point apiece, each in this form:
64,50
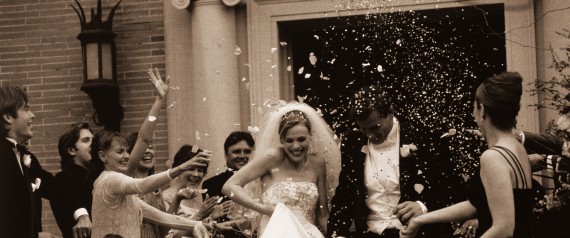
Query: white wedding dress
301,199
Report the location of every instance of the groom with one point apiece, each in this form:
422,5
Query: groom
392,171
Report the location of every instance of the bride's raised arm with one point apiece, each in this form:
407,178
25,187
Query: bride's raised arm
255,169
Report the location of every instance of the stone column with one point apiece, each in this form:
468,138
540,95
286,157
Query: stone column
551,18
200,55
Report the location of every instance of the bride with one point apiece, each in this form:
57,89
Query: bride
296,164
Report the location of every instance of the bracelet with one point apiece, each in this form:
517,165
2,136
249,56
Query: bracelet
168,174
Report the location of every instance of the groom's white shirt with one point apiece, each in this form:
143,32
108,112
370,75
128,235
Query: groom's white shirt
382,180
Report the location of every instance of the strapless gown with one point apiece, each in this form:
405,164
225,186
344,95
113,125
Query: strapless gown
300,197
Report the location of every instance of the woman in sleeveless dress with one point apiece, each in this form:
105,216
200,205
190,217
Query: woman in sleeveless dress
296,164
500,194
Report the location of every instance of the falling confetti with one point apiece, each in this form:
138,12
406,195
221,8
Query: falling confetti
237,51
380,69
312,58
253,129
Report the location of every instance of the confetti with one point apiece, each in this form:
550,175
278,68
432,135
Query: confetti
237,51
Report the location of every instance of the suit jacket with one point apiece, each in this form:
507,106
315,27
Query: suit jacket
430,166
548,144
20,207
215,184
72,189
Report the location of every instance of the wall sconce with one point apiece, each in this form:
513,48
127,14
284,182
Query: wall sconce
100,66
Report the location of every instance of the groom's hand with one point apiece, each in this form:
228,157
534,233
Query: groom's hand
406,210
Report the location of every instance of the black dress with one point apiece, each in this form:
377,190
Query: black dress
522,194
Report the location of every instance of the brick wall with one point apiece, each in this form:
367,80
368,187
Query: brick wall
39,50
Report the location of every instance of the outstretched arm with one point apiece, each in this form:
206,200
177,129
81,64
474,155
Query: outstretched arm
121,184
459,211
259,166
147,127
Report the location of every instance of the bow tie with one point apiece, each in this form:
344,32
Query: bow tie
20,148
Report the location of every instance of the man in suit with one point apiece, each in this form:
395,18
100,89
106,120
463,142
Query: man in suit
393,170
238,149
73,186
23,181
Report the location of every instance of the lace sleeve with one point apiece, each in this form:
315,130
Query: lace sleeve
120,184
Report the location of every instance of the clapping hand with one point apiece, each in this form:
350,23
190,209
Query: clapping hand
156,80
221,210
206,209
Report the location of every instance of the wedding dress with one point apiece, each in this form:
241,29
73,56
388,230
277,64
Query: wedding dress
295,201
300,198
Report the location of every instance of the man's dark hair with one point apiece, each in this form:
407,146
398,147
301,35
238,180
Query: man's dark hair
368,99
236,137
67,141
12,98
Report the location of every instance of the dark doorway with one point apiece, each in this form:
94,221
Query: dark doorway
430,62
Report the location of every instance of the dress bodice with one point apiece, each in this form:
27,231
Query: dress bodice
523,200
300,197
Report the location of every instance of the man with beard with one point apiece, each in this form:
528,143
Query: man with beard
238,149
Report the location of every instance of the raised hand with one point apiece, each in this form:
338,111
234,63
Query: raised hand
160,85
200,160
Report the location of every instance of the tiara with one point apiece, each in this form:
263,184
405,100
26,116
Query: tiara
294,115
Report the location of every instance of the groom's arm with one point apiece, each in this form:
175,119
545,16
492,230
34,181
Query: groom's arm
340,218
344,203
